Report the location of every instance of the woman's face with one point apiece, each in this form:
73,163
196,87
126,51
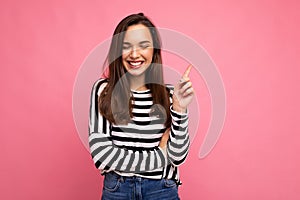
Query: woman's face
137,51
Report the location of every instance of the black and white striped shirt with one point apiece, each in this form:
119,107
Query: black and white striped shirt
133,149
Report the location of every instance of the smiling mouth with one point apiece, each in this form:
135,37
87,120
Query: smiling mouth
135,64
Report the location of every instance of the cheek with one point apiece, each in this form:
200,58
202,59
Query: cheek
124,55
124,62
124,58
149,54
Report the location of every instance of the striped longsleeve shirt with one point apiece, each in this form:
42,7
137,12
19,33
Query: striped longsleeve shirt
133,149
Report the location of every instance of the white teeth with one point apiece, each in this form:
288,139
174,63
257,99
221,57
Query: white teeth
135,63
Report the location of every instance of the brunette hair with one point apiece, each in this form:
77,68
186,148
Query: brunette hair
115,103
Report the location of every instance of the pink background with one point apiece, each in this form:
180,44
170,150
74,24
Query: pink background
253,43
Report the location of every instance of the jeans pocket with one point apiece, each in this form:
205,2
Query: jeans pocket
112,182
170,183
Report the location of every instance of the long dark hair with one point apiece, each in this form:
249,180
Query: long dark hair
118,98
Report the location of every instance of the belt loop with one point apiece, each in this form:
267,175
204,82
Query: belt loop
122,179
139,178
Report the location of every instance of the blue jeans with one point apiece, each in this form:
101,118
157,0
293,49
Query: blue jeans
116,187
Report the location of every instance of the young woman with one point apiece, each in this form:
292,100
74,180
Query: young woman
138,126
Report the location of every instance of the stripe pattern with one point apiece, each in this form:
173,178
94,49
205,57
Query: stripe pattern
133,149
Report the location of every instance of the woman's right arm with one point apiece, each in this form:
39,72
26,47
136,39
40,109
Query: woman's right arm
106,155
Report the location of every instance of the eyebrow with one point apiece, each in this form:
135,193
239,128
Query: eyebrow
142,42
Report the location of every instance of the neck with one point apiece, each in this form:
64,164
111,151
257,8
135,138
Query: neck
137,83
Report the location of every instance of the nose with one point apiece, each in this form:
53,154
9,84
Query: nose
134,52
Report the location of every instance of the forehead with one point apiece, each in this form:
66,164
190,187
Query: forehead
137,33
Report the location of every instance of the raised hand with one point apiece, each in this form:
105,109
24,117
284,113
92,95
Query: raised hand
183,92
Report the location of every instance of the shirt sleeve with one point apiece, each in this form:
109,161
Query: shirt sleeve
179,140
109,157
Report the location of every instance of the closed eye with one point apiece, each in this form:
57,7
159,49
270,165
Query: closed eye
126,47
144,46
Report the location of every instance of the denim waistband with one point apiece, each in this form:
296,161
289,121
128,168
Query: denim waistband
136,187
135,177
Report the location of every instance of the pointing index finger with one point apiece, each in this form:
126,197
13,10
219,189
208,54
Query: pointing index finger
187,71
